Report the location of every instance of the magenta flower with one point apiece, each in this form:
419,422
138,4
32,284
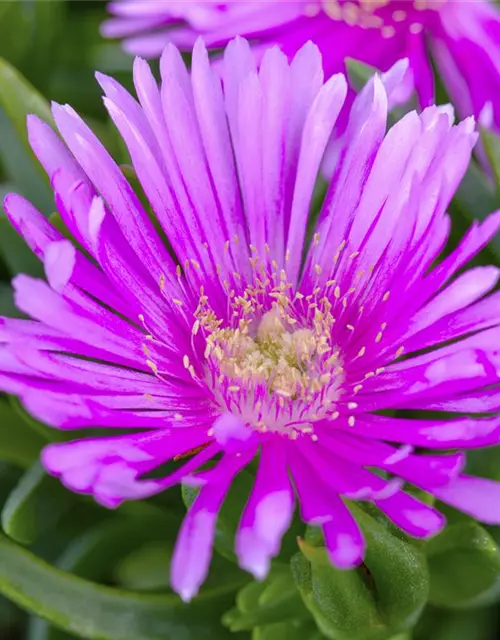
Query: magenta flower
462,35
253,341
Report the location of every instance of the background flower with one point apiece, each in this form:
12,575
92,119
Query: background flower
462,35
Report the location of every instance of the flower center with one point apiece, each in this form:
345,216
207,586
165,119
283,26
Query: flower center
289,363
274,362
388,16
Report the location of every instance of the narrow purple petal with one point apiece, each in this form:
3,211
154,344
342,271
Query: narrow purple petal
109,468
478,497
343,539
60,259
268,513
412,515
317,130
193,551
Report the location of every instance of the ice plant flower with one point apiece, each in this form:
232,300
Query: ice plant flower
246,339
462,35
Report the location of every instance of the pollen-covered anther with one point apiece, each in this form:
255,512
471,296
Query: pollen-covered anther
153,366
281,358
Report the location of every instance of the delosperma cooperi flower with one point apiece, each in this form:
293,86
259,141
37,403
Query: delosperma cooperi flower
245,338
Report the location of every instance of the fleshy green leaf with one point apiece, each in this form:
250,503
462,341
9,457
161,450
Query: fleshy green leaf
376,601
464,566
102,613
294,630
35,505
275,600
18,443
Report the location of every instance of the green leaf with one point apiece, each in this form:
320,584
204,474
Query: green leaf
15,30
96,553
464,566
147,568
274,600
7,306
47,433
35,505
18,443
40,629
475,198
294,630
102,613
9,617
20,167
359,73
48,19
440,624
9,477
18,98
484,463
491,142
16,254
248,597
383,597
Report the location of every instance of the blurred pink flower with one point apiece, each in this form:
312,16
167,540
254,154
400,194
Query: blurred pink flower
463,36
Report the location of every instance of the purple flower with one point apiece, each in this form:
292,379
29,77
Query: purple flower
462,35
254,340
